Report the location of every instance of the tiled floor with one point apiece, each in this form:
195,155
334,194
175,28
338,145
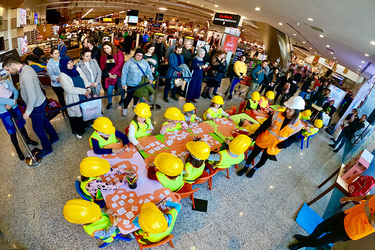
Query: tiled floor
243,213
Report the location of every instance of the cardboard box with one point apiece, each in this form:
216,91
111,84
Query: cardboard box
357,166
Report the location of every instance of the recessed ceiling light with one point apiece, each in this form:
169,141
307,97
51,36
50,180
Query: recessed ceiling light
310,19
373,42
310,48
216,5
321,36
163,8
331,53
294,34
303,42
202,5
362,61
328,46
334,57
280,23
367,55
360,66
297,23
243,17
257,8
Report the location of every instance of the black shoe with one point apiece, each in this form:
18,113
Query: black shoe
250,173
242,171
335,151
109,105
299,237
208,96
31,142
53,140
204,95
121,101
229,97
332,145
166,100
21,156
215,94
43,153
296,246
193,100
174,98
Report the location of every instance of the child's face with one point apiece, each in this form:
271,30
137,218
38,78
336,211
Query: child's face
216,105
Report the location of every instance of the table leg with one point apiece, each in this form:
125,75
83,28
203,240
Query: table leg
322,194
330,177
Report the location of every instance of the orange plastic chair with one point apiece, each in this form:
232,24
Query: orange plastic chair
165,240
205,177
230,112
241,107
187,191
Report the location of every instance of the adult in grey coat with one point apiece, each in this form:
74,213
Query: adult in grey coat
91,70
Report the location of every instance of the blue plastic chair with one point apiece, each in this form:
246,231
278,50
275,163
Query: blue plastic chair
117,237
85,197
303,139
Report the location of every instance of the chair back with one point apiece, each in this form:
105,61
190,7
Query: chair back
186,191
241,107
127,130
204,177
80,192
162,242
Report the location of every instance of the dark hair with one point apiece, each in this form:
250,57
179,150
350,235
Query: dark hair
159,37
365,116
295,116
136,122
84,51
7,62
114,49
84,178
213,104
53,50
32,58
178,47
90,40
148,46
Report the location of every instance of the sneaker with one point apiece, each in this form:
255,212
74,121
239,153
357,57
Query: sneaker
121,101
53,140
166,100
109,105
43,153
21,156
193,100
79,136
332,145
204,95
250,173
335,151
299,237
31,142
242,171
125,112
174,98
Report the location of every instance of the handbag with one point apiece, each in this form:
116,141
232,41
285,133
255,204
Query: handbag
145,90
91,109
109,81
361,186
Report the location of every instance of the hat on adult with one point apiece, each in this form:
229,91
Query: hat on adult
139,50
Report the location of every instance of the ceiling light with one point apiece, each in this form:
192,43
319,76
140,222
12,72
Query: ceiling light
373,42
367,55
362,61
87,13
321,36
216,5
294,34
310,19
297,23
303,42
360,66
310,48
328,46
334,57
257,8
202,5
163,8
280,23
243,17
331,53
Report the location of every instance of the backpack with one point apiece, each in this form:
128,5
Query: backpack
361,186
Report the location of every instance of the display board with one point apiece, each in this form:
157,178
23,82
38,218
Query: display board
227,20
230,43
240,51
337,95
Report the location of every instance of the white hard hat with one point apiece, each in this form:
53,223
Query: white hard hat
295,103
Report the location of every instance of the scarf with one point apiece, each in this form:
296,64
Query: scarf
198,53
64,67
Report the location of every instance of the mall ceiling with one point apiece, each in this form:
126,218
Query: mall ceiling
340,30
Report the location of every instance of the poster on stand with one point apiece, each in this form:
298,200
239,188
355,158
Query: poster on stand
337,95
21,17
240,51
214,39
230,43
22,45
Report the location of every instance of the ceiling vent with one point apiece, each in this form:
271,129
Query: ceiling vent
315,28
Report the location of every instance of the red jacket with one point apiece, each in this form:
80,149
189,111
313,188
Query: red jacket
119,60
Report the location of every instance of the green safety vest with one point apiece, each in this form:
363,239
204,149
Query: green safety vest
103,224
173,185
142,128
313,130
227,160
102,142
193,173
305,118
213,114
149,237
83,187
253,104
192,118
177,127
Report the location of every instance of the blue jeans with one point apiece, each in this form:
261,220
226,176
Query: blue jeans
112,87
341,139
234,83
41,125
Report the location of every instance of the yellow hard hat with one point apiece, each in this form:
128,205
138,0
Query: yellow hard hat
270,95
174,114
255,96
142,110
218,100
252,128
318,123
239,144
169,164
306,113
188,107
81,211
200,149
261,120
151,219
93,166
104,125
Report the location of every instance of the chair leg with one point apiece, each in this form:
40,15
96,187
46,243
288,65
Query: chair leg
210,183
308,139
170,242
253,162
192,200
236,166
228,173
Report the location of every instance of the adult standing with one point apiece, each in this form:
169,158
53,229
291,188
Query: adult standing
128,43
62,47
77,88
53,70
273,80
294,82
216,61
195,85
175,60
159,48
240,70
36,103
186,53
277,132
171,48
151,58
91,69
111,63
132,72
89,43
257,75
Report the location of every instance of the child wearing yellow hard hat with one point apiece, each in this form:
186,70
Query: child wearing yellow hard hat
190,113
167,169
264,101
106,135
198,152
215,110
175,121
156,225
141,124
306,115
232,156
311,130
96,223
91,168
252,103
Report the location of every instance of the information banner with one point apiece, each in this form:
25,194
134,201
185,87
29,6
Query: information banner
230,43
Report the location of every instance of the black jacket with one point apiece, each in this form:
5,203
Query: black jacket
353,127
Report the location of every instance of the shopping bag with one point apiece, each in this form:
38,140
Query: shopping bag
337,132
91,109
326,118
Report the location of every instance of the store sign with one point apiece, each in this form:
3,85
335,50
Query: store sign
36,17
331,63
314,63
116,15
334,67
230,43
227,20
107,19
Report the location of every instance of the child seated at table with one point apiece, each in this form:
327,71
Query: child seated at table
156,225
215,111
252,103
175,121
141,124
264,101
96,223
311,130
190,114
91,169
234,155
167,169
197,153
104,139
306,115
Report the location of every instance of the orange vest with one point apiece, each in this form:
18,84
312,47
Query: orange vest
357,219
273,135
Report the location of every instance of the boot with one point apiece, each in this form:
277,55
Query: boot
242,171
251,173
